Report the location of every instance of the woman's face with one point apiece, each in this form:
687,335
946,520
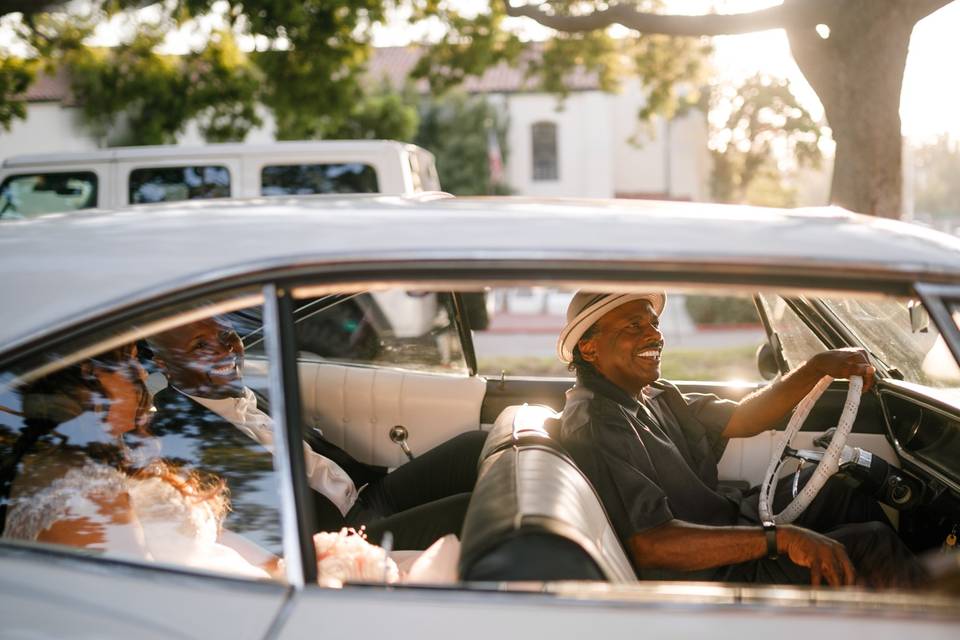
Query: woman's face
122,382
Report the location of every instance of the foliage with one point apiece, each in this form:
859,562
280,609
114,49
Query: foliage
16,75
455,128
669,68
937,186
382,113
764,135
721,310
308,65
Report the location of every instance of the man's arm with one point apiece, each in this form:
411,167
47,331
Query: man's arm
683,546
764,408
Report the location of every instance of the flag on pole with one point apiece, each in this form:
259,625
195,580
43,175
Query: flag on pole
494,158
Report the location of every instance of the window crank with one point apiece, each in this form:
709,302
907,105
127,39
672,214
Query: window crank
398,435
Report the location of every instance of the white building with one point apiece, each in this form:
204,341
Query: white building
587,145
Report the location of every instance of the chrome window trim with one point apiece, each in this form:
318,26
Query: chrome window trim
292,553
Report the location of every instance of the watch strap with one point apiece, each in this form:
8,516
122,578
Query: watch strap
770,531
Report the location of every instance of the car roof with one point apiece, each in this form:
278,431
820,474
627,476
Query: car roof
60,268
165,152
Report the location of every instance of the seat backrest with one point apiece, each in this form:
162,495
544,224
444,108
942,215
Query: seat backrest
533,515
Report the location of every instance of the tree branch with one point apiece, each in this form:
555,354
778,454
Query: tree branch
778,17
922,8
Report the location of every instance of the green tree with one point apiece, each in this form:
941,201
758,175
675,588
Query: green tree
309,64
764,132
456,129
16,75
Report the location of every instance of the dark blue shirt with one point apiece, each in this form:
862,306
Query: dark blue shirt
654,461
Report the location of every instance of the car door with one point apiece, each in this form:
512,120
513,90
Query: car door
120,527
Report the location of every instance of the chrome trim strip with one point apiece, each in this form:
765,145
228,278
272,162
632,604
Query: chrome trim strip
292,557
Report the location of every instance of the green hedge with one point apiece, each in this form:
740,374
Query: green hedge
721,310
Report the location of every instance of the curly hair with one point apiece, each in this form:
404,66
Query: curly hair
578,365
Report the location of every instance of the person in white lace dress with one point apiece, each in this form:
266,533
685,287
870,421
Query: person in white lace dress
96,491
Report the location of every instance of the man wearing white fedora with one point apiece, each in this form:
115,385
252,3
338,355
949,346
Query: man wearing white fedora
651,453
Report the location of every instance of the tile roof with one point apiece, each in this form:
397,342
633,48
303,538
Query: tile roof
394,64
51,88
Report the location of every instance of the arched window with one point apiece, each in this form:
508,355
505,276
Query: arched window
544,151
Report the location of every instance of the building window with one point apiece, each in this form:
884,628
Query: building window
545,151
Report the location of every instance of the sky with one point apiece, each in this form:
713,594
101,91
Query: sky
930,103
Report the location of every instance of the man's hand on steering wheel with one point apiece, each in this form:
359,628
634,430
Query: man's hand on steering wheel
843,363
826,558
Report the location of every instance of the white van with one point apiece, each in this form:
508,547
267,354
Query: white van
31,185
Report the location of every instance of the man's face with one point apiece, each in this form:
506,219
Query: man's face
626,346
202,358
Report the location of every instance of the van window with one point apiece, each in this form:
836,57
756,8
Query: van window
170,184
26,195
305,179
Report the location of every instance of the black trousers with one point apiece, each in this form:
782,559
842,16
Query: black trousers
852,518
418,502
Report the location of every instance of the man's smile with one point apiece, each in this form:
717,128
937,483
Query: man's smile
229,369
649,351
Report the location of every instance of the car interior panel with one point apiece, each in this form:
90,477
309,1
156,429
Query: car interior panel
355,407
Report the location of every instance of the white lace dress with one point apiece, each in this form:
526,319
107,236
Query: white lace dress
127,517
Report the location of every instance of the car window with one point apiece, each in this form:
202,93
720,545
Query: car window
171,184
305,179
883,326
395,328
156,449
798,342
25,195
706,337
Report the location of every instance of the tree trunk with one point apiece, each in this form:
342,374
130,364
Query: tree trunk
858,72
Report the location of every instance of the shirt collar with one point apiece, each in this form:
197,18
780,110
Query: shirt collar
597,383
237,410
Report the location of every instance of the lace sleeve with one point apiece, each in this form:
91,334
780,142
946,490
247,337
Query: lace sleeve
35,509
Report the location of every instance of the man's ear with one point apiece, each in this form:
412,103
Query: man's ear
588,349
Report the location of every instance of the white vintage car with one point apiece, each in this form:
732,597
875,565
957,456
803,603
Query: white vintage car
319,290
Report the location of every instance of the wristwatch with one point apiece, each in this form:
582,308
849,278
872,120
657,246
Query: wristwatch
770,530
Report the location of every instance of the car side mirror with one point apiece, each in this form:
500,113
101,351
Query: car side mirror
919,318
767,362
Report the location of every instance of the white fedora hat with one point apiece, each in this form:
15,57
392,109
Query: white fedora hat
586,308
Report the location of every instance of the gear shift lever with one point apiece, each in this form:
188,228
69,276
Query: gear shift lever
398,435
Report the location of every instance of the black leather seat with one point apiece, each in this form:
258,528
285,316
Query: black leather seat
533,515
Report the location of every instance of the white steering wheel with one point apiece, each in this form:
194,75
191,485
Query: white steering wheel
827,466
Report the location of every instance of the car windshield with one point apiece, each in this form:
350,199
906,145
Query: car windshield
883,326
